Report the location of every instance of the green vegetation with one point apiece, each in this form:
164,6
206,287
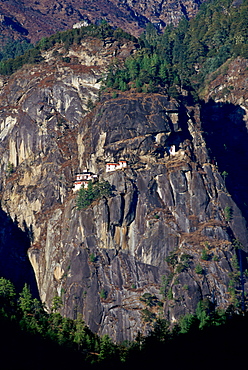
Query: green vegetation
172,259
90,104
13,49
204,255
179,263
93,258
234,286
151,302
148,316
31,56
185,260
93,192
76,35
27,314
65,342
170,294
225,174
180,59
228,213
11,60
10,168
183,56
237,244
199,270
149,299
103,294
165,284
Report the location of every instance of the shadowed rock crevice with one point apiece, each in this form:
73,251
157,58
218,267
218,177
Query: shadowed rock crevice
226,134
14,262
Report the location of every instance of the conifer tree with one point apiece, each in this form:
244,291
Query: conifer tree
7,297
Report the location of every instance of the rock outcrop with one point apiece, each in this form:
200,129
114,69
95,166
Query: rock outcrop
162,241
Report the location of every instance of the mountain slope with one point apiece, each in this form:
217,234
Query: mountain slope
170,234
33,20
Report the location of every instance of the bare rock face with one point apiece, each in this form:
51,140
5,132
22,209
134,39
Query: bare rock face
161,242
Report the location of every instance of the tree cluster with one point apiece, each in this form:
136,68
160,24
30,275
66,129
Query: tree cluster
93,192
16,54
31,56
13,49
24,314
183,56
76,35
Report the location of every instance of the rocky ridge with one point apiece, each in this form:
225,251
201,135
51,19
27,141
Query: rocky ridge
163,241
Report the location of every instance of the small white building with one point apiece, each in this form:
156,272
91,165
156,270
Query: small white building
82,179
111,166
81,24
173,150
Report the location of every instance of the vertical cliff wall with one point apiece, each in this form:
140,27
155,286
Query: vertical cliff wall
162,241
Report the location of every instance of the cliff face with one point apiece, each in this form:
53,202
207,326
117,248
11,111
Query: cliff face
225,114
161,242
33,20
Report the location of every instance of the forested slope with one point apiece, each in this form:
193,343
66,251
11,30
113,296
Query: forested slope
182,57
179,58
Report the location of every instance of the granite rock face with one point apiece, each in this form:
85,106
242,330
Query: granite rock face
137,255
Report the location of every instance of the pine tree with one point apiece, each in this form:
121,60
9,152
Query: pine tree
7,297
80,337
56,304
31,311
107,348
25,301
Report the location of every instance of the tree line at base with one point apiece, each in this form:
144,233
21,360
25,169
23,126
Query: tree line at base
32,337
